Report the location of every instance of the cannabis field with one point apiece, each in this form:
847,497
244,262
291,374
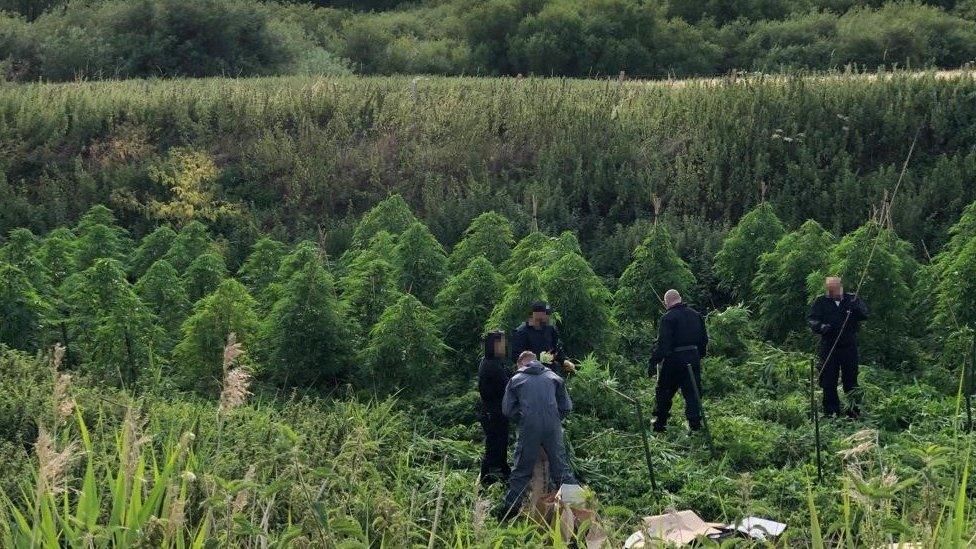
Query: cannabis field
247,313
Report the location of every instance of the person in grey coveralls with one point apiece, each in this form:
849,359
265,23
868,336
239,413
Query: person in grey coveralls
536,400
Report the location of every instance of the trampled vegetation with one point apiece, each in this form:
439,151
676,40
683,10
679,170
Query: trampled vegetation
358,235
342,409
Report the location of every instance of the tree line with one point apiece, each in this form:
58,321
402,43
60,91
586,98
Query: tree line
396,308
62,40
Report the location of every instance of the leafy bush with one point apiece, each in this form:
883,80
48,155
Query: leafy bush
745,442
404,351
203,275
116,334
306,337
515,306
638,302
421,262
729,332
162,290
886,279
489,235
21,308
735,264
199,354
780,282
392,215
583,304
465,301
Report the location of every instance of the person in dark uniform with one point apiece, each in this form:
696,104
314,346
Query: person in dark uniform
836,317
682,340
539,336
493,376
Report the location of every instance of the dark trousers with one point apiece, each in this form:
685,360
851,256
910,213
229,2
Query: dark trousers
674,376
531,440
841,364
494,464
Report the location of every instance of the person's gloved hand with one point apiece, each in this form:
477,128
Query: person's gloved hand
824,328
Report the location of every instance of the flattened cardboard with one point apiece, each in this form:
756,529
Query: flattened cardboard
760,528
680,527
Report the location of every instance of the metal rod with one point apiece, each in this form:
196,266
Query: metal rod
815,410
701,408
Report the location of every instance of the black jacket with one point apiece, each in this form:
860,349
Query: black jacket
680,327
827,317
493,376
538,340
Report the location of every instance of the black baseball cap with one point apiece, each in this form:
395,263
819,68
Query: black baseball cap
541,306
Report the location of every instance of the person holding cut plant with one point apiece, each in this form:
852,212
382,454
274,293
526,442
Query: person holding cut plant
536,399
539,336
493,376
681,344
836,317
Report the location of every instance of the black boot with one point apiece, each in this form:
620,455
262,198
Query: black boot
695,424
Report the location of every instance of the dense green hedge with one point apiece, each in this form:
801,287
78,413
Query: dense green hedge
305,157
64,40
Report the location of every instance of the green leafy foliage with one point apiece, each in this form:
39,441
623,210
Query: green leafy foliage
516,303
21,251
583,304
192,241
525,254
307,339
464,303
151,249
539,252
199,353
943,283
886,288
729,332
737,261
303,253
261,266
368,287
392,215
780,282
404,350
56,256
490,235
99,236
957,289
655,269
22,311
163,291
203,275
421,262
115,332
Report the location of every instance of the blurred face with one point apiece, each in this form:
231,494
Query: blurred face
834,287
500,346
540,318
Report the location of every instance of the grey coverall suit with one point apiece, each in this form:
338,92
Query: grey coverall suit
536,400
